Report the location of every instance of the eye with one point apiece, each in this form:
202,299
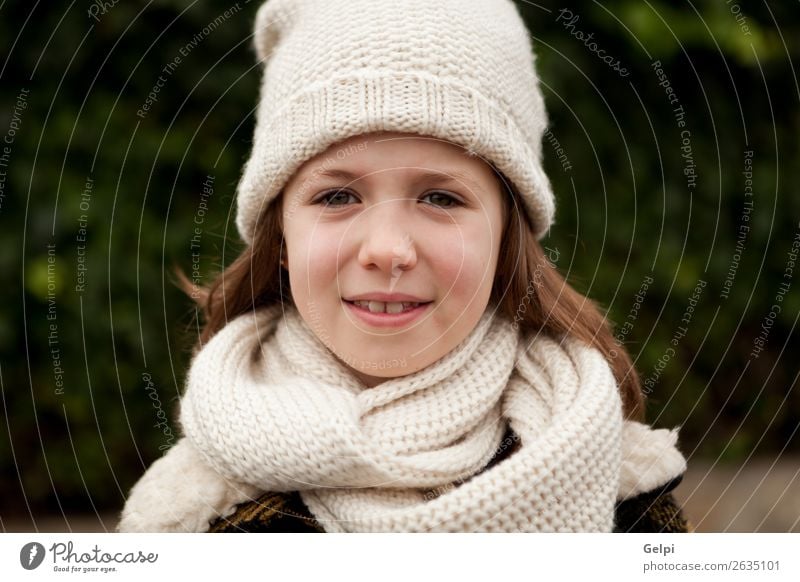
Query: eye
443,198
329,198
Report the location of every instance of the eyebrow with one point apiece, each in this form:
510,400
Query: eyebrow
424,176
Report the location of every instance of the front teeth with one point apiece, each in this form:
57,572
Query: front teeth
381,307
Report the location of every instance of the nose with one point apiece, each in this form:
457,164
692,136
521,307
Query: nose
387,243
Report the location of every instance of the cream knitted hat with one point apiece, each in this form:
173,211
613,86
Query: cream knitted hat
457,70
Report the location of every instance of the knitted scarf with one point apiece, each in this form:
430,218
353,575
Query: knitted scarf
268,407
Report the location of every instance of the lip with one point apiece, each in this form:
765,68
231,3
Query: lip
386,319
386,298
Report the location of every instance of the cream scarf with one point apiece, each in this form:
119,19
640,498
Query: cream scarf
269,408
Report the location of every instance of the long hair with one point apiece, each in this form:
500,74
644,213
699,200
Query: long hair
527,289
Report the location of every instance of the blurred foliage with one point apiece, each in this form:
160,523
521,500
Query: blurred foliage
123,341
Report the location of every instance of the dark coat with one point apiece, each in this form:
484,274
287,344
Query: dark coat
651,512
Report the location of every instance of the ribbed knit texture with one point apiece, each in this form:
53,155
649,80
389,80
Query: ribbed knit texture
457,70
283,414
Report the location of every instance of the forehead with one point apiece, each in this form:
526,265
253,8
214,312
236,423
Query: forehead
417,156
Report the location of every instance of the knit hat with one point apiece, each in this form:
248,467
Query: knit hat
458,70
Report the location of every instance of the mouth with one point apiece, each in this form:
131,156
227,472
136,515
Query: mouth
388,308
377,314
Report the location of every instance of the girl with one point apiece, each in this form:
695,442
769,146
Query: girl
393,351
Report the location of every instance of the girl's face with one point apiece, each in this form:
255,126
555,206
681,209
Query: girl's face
392,218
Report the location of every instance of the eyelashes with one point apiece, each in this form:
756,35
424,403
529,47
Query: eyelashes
341,194
325,198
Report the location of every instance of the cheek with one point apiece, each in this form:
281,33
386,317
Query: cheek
464,262
313,260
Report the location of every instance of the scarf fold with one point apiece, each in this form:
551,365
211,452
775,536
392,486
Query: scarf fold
268,407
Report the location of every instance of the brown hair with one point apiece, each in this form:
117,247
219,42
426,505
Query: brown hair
528,290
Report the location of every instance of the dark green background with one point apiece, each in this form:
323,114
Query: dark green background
624,213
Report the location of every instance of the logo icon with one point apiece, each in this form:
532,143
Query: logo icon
31,555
